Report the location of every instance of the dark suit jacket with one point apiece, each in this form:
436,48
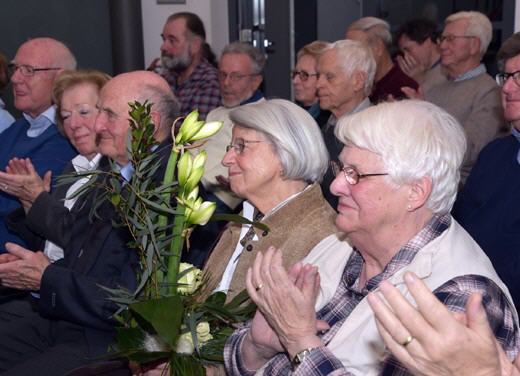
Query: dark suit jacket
48,218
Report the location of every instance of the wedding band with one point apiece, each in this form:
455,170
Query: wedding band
407,341
259,286
5,187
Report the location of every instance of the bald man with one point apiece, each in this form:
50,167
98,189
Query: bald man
72,322
33,70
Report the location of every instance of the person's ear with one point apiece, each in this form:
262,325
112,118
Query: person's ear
419,193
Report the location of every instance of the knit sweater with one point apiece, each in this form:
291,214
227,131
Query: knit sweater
49,151
476,104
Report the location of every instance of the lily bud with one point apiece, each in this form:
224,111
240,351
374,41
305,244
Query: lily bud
185,167
208,130
197,170
202,214
188,122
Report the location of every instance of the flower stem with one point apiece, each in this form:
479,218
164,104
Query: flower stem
176,245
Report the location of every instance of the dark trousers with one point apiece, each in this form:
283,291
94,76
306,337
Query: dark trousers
31,344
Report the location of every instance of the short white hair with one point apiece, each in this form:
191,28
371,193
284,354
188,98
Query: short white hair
293,133
374,28
356,56
414,139
478,25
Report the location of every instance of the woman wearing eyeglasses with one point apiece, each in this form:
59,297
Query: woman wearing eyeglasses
305,78
397,179
275,162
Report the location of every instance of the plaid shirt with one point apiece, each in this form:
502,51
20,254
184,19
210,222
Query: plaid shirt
201,91
453,294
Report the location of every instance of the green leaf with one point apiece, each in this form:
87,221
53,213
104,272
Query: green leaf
164,315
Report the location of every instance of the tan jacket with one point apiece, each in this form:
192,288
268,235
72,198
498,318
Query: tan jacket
296,229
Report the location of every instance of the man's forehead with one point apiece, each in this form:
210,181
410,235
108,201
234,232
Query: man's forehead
32,54
235,61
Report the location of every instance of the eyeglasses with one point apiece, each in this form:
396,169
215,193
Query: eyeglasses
502,77
451,38
240,144
351,174
304,76
234,77
26,70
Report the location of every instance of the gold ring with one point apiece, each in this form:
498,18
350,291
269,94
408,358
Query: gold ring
407,341
259,286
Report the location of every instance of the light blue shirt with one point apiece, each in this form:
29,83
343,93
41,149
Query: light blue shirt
5,117
471,73
40,123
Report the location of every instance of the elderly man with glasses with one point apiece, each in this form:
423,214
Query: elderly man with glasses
33,70
469,94
488,207
346,73
240,75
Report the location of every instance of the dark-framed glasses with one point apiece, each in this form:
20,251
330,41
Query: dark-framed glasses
304,76
234,76
26,70
352,175
451,38
502,77
240,144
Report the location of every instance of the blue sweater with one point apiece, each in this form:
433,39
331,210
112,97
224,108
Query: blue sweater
489,209
49,151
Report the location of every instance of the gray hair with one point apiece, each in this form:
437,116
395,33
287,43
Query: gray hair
427,141
295,136
314,49
478,25
255,55
164,102
356,56
374,28
509,49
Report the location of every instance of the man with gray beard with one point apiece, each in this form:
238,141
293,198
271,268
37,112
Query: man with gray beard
188,64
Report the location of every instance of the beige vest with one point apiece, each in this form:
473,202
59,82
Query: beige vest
358,344
296,229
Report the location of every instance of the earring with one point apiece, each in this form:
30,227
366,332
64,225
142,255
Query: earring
409,207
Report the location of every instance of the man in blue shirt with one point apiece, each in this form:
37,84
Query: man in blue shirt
33,70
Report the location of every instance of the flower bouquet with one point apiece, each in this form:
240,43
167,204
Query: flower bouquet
170,317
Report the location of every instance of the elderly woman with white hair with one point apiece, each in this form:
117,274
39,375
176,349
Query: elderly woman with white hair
397,178
275,161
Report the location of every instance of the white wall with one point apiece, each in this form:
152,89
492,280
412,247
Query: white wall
213,13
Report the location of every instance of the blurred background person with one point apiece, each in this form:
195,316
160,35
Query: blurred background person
488,206
305,78
6,119
420,59
389,78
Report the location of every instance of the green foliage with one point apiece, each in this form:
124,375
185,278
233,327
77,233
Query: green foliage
159,216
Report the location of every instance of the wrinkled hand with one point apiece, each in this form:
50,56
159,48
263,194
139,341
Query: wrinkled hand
21,268
412,93
287,305
410,66
441,344
20,179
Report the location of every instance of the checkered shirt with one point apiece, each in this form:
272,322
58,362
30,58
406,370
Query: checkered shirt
453,294
200,91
